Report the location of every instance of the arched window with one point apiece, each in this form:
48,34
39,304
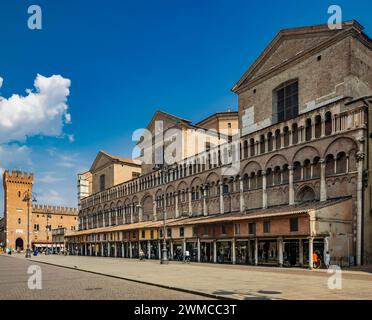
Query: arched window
296,171
251,145
308,130
330,165
277,176
318,126
245,148
295,133
269,177
277,139
269,141
328,123
246,182
341,162
262,144
285,173
286,136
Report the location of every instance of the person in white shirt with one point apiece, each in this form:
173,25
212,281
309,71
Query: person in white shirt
327,259
187,255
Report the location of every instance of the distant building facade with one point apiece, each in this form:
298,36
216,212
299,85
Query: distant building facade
42,218
302,182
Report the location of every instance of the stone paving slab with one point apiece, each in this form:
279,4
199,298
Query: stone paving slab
66,284
235,282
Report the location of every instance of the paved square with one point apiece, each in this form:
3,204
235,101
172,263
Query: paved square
232,281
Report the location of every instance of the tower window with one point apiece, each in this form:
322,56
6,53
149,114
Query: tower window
286,101
19,221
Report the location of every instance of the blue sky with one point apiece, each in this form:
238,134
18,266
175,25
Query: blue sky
125,59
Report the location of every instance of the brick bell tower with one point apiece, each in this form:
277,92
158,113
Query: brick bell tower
16,184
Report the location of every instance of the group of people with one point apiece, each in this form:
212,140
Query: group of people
186,257
317,260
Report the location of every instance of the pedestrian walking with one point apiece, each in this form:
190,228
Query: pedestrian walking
327,259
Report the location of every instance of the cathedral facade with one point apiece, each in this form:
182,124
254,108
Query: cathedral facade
293,181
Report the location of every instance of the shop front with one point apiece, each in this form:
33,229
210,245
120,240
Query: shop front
206,251
244,251
268,252
192,247
224,251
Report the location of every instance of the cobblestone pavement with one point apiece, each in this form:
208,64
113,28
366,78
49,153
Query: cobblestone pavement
231,281
61,283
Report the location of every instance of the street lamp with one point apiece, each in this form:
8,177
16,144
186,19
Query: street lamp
47,229
28,197
164,257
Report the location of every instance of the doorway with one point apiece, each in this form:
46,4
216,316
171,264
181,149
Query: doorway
19,244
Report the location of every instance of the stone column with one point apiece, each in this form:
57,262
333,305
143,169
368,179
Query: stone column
115,250
130,250
215,251
249,252
103,220
131,212
198,250
176,205
171,248
222,209
87,222
85,249
241,194
311,239
140,213
360,158
301,252
116,217
183,246
122,250
323,182
190,206
205,208
148,249
233,251
264,193
154,211
102,250
108,249
110,222
322,126
96,245
256,251
159,250
280,252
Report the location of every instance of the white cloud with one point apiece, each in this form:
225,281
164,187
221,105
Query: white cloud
71,138
42,112
1,82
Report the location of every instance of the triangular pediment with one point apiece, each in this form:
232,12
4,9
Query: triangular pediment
289,45
168,120
102,160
